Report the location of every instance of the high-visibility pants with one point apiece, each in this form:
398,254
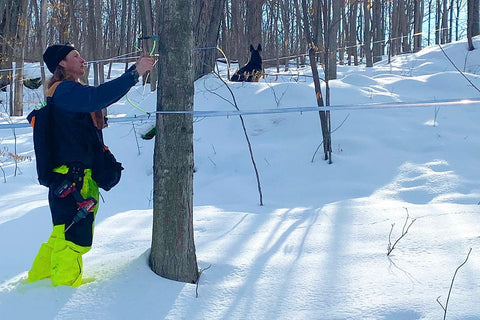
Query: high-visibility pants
60,258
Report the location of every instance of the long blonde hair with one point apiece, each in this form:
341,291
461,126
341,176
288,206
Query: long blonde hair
59,75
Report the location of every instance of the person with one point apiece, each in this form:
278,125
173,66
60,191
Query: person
75,138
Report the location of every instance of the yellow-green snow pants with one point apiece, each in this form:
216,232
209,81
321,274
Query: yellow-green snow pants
60,258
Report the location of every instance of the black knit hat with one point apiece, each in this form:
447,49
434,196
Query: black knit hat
56,53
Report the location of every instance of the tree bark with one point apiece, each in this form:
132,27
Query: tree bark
324,115
18,56
173,249
352,34
254,15
367,35
378,30
472,22
332,44
417,25
146,20
208,16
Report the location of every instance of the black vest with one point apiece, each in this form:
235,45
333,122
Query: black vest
74,138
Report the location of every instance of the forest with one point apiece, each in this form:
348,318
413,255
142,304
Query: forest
340,32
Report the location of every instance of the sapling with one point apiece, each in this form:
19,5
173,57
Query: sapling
406,227
234,103
444,307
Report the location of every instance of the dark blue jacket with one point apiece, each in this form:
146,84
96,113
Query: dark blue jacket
74,136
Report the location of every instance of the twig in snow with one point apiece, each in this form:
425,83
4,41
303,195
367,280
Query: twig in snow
404,232
451,286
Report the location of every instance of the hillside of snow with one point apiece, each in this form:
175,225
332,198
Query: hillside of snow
317,248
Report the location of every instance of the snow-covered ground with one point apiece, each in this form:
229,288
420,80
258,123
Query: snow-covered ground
317,248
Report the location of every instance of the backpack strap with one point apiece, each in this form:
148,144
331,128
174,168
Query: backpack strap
52,89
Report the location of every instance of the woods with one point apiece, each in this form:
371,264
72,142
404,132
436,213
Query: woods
327,32
366,31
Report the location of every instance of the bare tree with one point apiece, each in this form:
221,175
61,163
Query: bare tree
472,21
444,23
324,115
20,8
208,16
173,249
146,24
367,39
418,13
253,21
378,29
352,34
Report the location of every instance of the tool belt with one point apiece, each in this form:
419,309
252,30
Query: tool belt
71,186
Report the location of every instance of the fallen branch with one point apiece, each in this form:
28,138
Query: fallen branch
404,232
451,286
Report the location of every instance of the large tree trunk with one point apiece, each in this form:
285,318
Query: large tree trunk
173,249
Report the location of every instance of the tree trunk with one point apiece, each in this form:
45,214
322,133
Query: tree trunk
91,52
207,19
417,25
43,42
324,115
352,36
19,55
237,47
367,35
378,30
146,20
286,17
254,22
173,249
438,19
472,22
444,33
333,27
98,51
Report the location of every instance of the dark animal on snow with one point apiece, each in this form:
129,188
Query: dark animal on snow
253,70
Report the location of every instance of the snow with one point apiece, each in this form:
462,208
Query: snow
317,248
